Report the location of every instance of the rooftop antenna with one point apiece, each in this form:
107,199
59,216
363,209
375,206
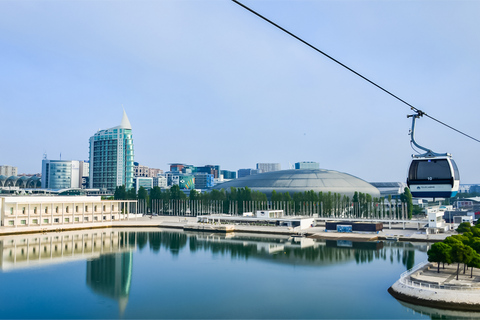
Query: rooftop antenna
44,155
60,156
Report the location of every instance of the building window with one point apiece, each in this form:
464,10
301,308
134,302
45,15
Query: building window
113,208
35,221
23,221
35,210
46,209
76,209
95,208
11,210
67,219
66,209
56,220
95,218
85,218
104,208
45,220
23,210
10,222
113,217
86,208
56,209
77,219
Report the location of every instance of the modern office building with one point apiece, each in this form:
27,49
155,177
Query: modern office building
204,180
145,182
228,175
111,157
84,169
160,181
177,167
246,172
268,167
61,174
211,169
8,171
144,171
186,181
307,165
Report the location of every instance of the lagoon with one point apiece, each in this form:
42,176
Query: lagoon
165,273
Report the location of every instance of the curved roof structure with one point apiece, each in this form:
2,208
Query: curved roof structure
318,180
20,181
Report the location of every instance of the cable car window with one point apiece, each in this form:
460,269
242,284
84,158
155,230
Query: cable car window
430,169
455,170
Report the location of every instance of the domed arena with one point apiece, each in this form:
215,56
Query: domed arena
301,180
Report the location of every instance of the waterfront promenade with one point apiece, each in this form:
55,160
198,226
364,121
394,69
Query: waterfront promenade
400,231
425,286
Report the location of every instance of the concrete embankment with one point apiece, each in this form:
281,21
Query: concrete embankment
190,223
439,290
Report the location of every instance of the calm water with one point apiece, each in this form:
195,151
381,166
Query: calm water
171,274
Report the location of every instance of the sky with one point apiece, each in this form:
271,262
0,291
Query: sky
207,82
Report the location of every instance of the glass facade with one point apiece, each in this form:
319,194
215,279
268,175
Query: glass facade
60,174
111,157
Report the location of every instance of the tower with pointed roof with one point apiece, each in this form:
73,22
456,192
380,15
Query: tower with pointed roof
111,157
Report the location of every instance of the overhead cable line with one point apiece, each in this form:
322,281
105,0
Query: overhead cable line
418,111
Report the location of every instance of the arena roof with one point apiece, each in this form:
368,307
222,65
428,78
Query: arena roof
301,180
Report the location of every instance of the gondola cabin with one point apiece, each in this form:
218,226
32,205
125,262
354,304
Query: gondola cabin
433,177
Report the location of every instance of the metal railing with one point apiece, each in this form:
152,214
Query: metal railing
405,280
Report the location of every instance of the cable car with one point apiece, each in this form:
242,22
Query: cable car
432,175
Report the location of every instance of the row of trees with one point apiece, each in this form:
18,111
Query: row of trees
308,202
463,249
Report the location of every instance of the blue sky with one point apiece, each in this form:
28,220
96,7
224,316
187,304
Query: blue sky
206,82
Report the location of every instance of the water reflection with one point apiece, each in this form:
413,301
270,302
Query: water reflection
111,276
109,253
33,250
434,313
281,249
24,251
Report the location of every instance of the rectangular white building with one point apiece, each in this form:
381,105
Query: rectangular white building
40,211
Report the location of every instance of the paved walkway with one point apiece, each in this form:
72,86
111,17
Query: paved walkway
447,276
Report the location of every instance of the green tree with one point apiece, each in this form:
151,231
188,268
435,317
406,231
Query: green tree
461,254
407,198
474,263
131,194
276,196
193,195
176,193
464,227
440,252
120,193
142,193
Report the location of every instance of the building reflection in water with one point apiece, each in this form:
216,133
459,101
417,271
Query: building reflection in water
109,252
111,276
281,249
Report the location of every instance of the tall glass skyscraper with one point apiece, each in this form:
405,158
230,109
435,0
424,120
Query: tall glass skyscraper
111,157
